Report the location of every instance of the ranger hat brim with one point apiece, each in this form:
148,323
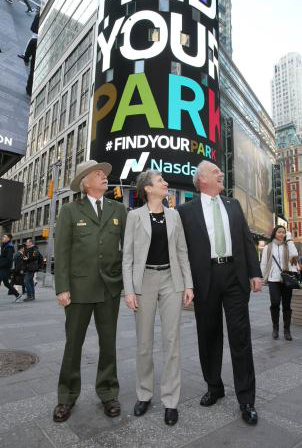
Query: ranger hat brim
85,168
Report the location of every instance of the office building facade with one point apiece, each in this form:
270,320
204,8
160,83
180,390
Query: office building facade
286,91
225,25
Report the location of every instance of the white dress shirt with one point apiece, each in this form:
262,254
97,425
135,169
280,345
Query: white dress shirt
93,203
207,208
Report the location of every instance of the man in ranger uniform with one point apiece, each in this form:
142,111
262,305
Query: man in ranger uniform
88,278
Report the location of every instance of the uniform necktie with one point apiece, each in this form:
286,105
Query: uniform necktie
220,244
99,209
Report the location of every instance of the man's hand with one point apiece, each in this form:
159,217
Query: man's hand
256,284
187,296
64,298
131,301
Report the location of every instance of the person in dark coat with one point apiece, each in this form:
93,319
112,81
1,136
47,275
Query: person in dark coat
6,262
32,266
225,267
20,260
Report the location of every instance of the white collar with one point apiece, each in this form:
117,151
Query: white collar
207,198
93,200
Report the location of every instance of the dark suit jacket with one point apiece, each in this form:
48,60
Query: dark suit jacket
88,253
199,249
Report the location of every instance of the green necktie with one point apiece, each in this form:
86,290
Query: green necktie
99,209
220,245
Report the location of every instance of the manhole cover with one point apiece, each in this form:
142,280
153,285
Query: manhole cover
14,361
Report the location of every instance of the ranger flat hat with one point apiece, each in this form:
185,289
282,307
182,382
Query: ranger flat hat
85,168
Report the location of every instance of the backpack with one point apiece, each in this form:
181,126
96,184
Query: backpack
40,261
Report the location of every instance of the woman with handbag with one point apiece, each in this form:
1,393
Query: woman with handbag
279,255
156,274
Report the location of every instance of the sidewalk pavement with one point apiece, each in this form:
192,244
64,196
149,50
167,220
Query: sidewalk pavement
27,399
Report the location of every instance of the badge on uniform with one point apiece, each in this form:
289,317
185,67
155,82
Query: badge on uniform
115,221
81,223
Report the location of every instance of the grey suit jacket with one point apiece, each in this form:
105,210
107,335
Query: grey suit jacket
137,241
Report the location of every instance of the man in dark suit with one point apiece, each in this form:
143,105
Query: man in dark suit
225,268
88,278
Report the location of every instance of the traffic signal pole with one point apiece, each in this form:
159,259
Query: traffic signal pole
48,278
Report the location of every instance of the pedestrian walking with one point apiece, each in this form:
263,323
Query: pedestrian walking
6,262
225,268
280,253
33,262
156,273
19,266
88,278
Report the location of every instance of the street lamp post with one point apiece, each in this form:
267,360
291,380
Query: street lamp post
48,278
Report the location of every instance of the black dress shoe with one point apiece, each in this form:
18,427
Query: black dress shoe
249,414
62,412
141,407
210,398
171,416
112,408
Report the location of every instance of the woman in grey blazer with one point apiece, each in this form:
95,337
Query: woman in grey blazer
156,271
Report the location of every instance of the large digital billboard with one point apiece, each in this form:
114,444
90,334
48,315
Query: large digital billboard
156,99
10,199
253,171
14,101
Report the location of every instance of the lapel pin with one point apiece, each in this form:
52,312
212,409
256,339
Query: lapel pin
115,221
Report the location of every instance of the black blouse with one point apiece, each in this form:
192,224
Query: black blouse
158,251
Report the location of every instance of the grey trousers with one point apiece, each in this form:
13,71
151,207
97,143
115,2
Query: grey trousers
158,289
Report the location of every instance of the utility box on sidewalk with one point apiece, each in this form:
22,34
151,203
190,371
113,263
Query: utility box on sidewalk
296,305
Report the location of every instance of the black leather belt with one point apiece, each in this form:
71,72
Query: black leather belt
158,268
222,260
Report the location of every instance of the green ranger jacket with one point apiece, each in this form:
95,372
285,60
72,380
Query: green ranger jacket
88,252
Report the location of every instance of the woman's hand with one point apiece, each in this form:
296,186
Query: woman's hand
188,296
131,301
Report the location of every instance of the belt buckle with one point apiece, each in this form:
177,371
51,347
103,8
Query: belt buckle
220,260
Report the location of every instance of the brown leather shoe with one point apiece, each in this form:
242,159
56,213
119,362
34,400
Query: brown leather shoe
62,412
112,408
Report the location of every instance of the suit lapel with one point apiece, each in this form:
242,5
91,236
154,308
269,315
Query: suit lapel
198,212
169,221
88,210
108,210
145,219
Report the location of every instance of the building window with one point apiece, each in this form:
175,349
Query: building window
42,176
46,127
68,159
78,58
46,215
40,102
185,39
54,86
25,221
176,68
73,102
39,134
33,139
35,181
63,112
81,143
60,150
65,200
31,219
30,169
54,122
139,66
164,5
38,217
85,92
153,34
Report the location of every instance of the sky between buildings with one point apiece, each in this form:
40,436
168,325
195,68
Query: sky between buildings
263,32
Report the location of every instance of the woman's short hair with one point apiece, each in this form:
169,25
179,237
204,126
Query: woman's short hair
144,180
273,235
